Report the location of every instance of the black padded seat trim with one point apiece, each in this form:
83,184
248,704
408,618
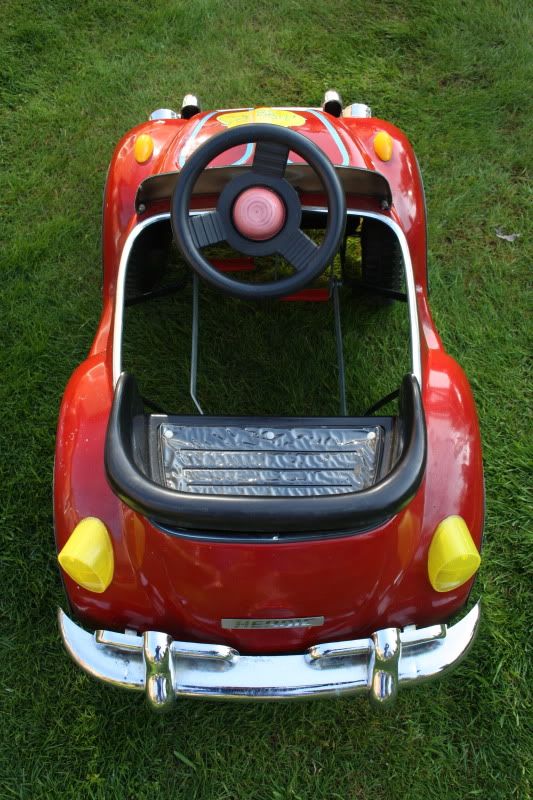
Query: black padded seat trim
127,464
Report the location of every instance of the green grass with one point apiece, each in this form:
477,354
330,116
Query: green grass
73,77
265,358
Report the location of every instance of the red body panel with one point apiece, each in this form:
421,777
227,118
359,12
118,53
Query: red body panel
360,582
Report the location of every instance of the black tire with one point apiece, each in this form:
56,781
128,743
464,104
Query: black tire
381,257
148,261
143,275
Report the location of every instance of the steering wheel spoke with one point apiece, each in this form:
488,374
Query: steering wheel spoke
207,229
270,159
259,211
299,250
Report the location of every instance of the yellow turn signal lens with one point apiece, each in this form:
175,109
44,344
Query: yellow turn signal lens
453,557
88,555
383,145
143,148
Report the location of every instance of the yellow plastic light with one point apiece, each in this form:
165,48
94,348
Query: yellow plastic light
453,557
143,148
88,555
383,145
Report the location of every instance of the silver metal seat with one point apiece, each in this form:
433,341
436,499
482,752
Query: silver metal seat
269,461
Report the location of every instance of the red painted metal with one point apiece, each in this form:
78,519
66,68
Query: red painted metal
313,295
241,264
361,582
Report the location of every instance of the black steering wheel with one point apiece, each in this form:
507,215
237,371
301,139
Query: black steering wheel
258,213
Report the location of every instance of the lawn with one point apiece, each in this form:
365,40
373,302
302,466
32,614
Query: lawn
73,77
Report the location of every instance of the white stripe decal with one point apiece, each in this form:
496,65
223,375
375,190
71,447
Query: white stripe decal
334,135
244,158
196,130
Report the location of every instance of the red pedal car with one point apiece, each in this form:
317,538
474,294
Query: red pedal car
267,557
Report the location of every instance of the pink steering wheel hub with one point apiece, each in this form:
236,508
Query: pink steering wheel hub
259,213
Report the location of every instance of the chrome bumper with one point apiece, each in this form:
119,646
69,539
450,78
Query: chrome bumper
164,667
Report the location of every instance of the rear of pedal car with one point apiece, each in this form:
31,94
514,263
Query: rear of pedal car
270,557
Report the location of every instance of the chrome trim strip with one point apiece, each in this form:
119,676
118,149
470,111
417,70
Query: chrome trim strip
120,667
410,636
134,642
124,641
206,652
164,668
118,321
416,361
323,652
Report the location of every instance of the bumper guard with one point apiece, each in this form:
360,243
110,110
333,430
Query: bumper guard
165,668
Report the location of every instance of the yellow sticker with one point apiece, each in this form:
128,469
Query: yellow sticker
274,116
